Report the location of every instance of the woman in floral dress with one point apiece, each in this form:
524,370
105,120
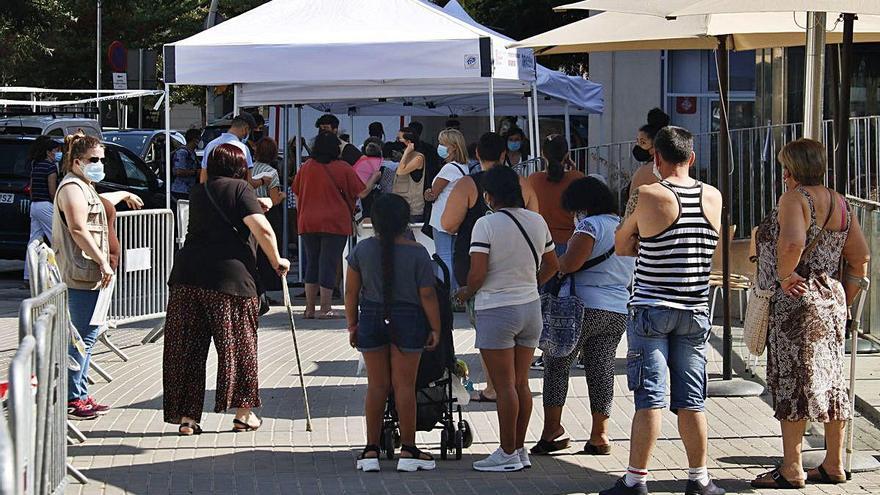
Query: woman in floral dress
800,257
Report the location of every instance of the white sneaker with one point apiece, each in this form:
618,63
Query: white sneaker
499,461
368,464
411,464
524,457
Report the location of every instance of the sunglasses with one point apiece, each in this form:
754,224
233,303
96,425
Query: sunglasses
94,159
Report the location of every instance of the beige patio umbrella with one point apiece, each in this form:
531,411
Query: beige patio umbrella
620,31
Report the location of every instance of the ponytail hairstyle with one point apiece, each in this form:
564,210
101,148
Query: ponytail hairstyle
555,150
76,146
390,216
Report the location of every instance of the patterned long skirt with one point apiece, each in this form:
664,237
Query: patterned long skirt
194,317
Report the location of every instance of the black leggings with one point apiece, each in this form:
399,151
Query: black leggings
323,254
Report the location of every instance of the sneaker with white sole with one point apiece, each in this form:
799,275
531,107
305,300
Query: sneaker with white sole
499,461
415,463
524,457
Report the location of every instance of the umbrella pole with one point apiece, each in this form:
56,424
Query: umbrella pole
815,74
727,387
841,169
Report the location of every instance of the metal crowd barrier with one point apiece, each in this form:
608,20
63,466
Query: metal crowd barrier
37,403
146,241
868,213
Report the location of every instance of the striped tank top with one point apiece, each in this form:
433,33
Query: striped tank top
673,267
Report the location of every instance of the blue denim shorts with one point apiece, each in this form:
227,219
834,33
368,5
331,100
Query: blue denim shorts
408,328
665,341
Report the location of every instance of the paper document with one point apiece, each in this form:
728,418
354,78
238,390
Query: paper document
264,174
102,307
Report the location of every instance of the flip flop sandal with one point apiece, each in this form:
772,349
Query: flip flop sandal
191,429
482,398
544,447
590,449
775,479
820,476
240,426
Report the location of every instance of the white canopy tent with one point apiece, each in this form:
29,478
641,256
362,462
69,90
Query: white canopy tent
295,52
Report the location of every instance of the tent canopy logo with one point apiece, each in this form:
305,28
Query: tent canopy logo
471,61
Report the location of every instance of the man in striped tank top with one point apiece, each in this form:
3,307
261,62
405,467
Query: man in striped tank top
672,228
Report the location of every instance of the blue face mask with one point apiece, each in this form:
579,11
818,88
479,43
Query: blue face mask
58,156
94,171
514,145
442,151
245,139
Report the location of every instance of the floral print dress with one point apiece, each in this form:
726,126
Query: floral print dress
805,337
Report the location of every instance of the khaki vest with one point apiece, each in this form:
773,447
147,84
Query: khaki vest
413,192
79,271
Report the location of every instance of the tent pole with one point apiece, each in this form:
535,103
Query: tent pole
531,125
298,148
537,120
491,104
285,172
815,74
724,183
567,126
235,108
168,146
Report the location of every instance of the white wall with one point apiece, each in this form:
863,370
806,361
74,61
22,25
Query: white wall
633,85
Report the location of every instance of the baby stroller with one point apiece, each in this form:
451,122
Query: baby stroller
436,407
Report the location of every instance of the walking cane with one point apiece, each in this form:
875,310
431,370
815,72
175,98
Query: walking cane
855,326
296,351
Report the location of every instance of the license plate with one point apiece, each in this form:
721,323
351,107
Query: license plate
6,198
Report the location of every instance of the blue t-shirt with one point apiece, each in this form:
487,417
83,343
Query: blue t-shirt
606,285
227,138
184,159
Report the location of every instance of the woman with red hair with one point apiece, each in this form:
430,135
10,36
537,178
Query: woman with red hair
214,296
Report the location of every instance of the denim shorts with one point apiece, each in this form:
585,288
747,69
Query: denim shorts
665,341
408,329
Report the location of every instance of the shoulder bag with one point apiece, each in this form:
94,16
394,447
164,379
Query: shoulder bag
261,294
756,321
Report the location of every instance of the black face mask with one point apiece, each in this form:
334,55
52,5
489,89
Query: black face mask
257,135
642,155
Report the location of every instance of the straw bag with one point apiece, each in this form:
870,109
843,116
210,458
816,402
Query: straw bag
757,320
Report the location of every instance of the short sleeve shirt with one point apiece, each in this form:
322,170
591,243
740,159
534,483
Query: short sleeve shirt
183,159
606,285
214,256
40,172
413,269
227,138
512,278
264,168
451,172
325,197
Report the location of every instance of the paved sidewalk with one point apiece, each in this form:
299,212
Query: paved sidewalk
131,450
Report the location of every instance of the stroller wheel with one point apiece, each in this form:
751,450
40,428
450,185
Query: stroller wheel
388,441
459,444
444,443
467,435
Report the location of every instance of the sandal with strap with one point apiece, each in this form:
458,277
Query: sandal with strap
419,460
544,447
368,464
240,426
820,476
590,449
189,429
775,479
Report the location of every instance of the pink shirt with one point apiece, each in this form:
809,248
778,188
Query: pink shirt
367,166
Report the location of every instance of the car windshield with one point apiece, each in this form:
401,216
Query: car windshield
13,160
17,130
134,142
210,134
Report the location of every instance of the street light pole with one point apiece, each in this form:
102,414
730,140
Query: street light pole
98,62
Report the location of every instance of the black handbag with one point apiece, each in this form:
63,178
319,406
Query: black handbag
261,294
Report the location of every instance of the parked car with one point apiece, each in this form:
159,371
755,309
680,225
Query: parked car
148,144
124,171
51,125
